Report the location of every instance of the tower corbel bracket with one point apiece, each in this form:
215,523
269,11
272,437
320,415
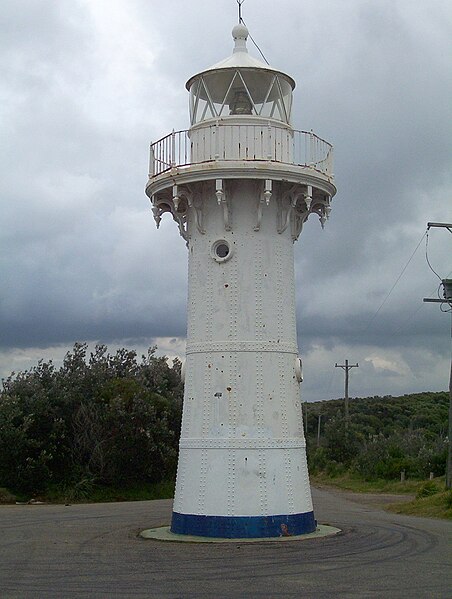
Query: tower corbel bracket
264,198
285,212
156,212
308,198
176,198
322,208
299,213
181,217
196,204
223,200
175,203
328,207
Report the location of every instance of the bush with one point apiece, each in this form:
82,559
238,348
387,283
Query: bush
6,496
449,499
341,445
386,435
428,489
109,419
317,459
335,469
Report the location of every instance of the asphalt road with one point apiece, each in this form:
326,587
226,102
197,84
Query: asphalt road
94,551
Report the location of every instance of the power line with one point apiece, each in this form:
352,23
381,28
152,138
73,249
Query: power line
413,314
252,39
397,280
240,2
426,256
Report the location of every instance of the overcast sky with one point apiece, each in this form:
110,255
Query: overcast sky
85,85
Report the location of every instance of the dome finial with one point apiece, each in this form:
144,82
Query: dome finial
240,35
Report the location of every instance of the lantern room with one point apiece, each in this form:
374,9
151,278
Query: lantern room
240,86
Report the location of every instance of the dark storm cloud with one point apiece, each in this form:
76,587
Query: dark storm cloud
85,86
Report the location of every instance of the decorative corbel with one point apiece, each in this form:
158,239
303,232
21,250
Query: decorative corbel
299,214
171,202
223,201
308,198
328,207
219,190
322,208
156,213
285,214
180,218
265,197
267,191
176,198
194,202
182,224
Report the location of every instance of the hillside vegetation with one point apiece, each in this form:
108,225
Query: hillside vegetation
99,420
106,426
386,435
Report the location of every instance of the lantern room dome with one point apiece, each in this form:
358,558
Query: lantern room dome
240,31
240,85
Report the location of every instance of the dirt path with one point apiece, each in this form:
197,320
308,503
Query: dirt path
376,500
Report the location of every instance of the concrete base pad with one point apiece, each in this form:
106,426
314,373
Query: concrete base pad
163,533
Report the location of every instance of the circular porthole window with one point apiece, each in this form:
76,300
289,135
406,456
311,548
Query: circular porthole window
221,250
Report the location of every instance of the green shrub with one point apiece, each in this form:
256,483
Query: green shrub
106,419
428,489
317,459
6,496
335,469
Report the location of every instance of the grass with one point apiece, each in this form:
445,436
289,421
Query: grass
104,494
358,485
163,490
435,506
94,494
437,503
432,501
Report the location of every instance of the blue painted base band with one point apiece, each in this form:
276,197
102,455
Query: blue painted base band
243,527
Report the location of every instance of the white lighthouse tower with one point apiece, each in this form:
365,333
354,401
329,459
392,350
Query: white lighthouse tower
240,183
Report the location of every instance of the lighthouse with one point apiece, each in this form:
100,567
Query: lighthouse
239,184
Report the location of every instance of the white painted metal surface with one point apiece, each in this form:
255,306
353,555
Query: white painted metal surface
240,199
242,446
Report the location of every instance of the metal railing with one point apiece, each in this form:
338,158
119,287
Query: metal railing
170,151
241,142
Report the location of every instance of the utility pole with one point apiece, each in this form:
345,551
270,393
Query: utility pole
318,430
346,367
447,293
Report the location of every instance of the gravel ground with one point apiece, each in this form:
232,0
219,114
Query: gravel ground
93,550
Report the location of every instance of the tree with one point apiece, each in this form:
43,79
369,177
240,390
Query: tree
104,419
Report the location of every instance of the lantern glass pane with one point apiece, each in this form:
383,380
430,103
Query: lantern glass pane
241,91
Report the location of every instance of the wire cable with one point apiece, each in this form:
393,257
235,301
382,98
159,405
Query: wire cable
413,314
240,2
426,257
397,280
252,39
